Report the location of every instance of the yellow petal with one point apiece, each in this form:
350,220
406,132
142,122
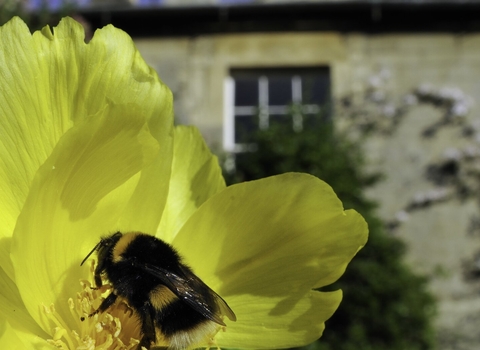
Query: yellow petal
274,239
13,309
196,176
146,205
52,81
23,109
12,339
291,323
77,195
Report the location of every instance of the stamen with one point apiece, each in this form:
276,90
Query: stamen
115,329
59,326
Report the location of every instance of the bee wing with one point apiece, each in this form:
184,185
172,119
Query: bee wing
193,291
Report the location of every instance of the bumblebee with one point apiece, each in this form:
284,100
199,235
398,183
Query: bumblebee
169,299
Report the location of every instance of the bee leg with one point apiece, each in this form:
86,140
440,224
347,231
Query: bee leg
147,314
144,343
109,301
98,280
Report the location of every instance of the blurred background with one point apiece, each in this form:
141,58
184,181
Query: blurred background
375,97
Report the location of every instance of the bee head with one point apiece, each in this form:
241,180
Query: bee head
104,247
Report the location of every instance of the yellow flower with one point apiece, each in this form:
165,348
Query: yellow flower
87,148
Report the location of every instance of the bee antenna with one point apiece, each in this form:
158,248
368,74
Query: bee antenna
94,249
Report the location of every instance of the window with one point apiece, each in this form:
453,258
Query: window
255,98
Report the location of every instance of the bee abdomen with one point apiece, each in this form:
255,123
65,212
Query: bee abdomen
178,316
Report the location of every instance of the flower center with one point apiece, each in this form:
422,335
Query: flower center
117,328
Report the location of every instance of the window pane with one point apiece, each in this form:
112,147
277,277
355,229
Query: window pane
246,91
244,128
316,89
279,90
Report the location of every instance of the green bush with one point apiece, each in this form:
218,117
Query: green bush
385,305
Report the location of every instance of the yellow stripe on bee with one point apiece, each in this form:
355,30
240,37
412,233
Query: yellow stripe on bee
161,297
122,245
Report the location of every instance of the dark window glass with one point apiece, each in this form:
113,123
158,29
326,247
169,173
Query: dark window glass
244,127
279,90
246,91
315,89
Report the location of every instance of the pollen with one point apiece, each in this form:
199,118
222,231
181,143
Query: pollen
117,328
